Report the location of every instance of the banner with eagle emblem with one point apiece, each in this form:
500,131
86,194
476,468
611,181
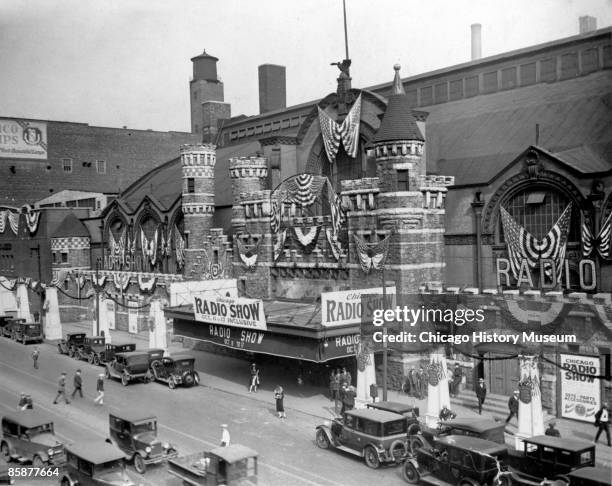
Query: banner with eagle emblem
248,253
372,256
347,132
601,243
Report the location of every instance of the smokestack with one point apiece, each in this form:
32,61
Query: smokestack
476,42
272,88
587,24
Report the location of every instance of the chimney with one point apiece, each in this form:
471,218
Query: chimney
272,88
587,24
476,42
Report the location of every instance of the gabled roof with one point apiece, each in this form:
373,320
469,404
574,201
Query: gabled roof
71,226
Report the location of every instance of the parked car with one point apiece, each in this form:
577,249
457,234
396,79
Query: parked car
8,330
111,349
590,476
29,436
176,370
376,435
410,412
233,465
73,341
155,354
27,332
95,463
91,349
129,367
4,473
455,460
5,319
135,433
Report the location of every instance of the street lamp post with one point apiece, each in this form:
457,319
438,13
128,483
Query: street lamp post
384,330
97,299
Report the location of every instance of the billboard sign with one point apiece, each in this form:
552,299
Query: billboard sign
345,307
22,139
580,389
227,311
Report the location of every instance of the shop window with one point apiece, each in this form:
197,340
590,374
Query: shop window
101,166
64,257
191,185
402,180
67,165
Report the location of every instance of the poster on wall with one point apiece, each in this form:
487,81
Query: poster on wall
23,139
110,313
132,317
237,312
580,390
345,306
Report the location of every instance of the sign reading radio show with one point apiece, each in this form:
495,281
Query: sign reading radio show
345,307
235,312
20,139
580,389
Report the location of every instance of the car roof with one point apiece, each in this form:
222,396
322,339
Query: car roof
96,452
601,474
233,453
133,415
373,414
155,350
475,444
565,444
474,424
396,407
180,356
114,344
28,418
128,354
95,337
76,334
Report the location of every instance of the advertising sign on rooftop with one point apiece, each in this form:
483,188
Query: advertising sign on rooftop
22,139
236,312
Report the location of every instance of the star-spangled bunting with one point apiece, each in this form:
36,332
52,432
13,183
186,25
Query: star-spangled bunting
347,132
599,244
372,256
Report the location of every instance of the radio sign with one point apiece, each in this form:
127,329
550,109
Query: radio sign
227,311
580,389
345,307
21,139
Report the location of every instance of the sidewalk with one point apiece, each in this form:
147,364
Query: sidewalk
231,375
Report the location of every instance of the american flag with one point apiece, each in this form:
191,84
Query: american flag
524,246
348,132
601,244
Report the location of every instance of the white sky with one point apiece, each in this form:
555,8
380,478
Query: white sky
127,62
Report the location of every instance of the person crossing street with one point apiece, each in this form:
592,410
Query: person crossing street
100,389
61,389
78,384
35,355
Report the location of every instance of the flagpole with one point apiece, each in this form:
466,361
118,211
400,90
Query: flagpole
345,30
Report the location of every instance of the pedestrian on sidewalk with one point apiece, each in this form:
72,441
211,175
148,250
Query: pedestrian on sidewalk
348,402
513,406
61,389
457,379
373,392
551,431
602,422
25,402
334,384
35,355
225,436
254,383
100,389
78,384
481,394
279,396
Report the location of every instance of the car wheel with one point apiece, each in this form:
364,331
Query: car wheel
410,473
414,444
188,380
414,429
398,450
6,453
125,381
171,383
371,457
38,462
90,359
139,464
107,374
196,378
322,440
96,360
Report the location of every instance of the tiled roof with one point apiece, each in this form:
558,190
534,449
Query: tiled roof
399,122
71,226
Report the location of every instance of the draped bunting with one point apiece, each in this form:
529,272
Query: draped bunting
146,285
309,239
13,221
523,246
601,243
2,221
303,189
347,132
130,244
32,217
117,248
179,248
248,253
372,256
335,206
121,280
99,281
166,244
149,247
279,243
334,244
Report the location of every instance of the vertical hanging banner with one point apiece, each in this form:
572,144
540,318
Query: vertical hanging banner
580,390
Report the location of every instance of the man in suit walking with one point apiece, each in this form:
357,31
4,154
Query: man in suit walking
602,422
481,393
61,389
513,406
78,384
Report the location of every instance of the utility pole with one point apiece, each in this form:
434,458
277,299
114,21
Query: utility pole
97,299
384,330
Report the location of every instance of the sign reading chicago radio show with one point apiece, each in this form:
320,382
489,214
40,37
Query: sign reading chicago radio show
21,139
233,312
580,389
345,307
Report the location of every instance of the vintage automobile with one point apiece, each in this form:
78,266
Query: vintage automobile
73,341
548,457
8,330
29,436
27,332
234,465
176,370
590,476
4,473
455,460
111,349
376,435
95,463
91,349
135,433
410,412
129,367
471,427
155,354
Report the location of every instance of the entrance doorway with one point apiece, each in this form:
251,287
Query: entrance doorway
502,375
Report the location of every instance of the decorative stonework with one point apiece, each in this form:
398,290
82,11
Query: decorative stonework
72,243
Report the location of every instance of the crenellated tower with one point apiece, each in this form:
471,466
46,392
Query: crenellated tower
198,204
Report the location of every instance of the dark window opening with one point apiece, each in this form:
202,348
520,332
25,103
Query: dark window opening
403,183
191,185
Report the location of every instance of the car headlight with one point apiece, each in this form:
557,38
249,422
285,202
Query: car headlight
166,445
50,452
148,450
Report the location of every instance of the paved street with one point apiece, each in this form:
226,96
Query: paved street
189,418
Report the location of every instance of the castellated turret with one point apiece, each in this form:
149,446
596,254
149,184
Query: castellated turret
198,203
251,225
